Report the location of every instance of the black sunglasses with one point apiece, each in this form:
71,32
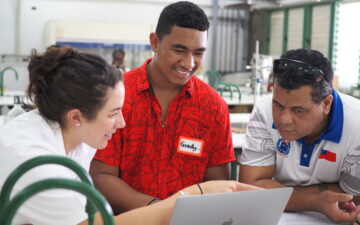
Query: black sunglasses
302,69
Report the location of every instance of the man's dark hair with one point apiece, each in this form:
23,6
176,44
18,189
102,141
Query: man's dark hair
182,14
290,81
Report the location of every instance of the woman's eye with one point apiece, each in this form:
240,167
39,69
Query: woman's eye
112,115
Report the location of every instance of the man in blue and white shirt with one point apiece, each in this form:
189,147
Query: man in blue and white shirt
306,136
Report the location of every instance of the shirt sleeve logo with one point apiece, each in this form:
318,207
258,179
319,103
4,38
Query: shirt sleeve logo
190,146
328,155
283,146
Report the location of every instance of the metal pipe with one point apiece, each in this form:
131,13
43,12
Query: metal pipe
41,160
90,192
2,78
214,25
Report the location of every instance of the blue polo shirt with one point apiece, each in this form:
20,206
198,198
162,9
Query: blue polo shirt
334,157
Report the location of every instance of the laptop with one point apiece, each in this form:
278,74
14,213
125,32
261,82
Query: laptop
256,207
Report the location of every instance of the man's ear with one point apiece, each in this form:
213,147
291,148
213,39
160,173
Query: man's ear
327,102
154,41
74,117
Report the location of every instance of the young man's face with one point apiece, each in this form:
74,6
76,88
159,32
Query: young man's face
296,115
178,55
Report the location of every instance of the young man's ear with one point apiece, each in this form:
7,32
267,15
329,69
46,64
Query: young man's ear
74,117
327,102
154,41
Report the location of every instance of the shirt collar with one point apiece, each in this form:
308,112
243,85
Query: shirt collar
333,131
143,82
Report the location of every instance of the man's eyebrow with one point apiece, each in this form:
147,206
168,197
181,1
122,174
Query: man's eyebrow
179,46
185,48
274,101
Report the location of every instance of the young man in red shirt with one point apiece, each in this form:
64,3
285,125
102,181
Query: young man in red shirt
178,130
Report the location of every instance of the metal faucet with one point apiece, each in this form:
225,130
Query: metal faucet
2,78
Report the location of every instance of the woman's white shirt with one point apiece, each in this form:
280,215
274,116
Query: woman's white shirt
30,135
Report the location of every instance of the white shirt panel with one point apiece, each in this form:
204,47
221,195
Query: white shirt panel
28,136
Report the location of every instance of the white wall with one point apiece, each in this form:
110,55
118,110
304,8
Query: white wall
7,26
34,14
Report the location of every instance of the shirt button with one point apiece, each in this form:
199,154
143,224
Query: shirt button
305,155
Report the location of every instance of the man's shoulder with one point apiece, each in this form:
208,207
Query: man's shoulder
264,104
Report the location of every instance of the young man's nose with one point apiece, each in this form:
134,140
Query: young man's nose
188,62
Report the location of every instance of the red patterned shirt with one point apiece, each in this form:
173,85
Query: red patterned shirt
160,159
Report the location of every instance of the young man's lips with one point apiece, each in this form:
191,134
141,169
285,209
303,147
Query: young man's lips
182,74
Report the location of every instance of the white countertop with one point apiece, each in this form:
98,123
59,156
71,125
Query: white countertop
8,98
306,218
239,118
2,120
238,123
246,99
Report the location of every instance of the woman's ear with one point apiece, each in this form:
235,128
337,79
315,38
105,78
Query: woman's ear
74,117
154,41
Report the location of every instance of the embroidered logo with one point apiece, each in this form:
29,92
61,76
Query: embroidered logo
190,146
328,155
283,147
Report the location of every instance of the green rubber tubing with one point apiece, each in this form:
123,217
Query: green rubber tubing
92,195
41,160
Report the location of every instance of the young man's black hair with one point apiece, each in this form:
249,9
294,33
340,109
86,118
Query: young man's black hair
183,14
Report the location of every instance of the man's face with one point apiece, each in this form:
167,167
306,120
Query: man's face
178,55
296,115
118,60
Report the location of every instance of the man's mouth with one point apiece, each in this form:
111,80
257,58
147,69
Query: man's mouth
183,73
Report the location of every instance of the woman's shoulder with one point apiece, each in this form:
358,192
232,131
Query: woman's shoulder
26,129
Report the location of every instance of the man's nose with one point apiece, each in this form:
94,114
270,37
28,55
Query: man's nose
286,117
188,62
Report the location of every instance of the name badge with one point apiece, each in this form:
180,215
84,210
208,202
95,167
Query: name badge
190,146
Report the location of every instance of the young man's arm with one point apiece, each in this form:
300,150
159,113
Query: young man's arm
120,195
221,172
303,198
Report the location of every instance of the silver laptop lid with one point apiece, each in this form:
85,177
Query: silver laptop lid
236,208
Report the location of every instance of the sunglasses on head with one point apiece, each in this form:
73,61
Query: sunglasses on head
299,68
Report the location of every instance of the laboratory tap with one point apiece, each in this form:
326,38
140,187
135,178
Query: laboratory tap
2,78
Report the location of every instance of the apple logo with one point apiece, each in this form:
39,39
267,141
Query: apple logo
229,222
